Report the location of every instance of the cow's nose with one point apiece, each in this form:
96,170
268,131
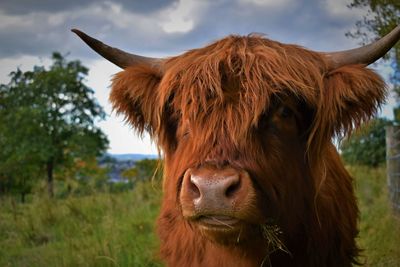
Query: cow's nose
218,187
213,191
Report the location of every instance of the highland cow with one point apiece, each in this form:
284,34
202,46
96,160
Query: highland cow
251,176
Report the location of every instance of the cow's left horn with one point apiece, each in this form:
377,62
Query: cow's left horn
118,57
366,54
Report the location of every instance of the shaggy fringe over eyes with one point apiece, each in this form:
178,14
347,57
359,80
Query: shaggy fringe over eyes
224,89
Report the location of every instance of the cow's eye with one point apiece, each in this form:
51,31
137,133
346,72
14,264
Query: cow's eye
285,112
185,134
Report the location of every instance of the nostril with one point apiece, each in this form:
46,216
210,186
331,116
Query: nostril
193,189
232,189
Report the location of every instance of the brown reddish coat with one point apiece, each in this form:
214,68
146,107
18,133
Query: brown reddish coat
271,110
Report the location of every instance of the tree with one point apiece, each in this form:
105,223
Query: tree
381,18
47,120
367,146
82,177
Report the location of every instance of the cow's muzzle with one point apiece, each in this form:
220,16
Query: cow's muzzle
217,200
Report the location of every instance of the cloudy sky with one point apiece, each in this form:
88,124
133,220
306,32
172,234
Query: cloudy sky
31,30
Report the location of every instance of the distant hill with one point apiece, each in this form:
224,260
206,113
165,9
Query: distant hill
117,163
132,157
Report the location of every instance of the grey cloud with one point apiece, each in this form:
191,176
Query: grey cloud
40,34
305,23
139,6
28,6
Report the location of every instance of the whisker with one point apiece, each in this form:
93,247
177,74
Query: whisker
238,238
221,222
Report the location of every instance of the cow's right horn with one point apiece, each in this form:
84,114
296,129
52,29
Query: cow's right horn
367,54
118,57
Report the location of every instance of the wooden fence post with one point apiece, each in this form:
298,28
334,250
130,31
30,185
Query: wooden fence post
393,166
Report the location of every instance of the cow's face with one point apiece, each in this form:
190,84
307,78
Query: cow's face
243,124
231,190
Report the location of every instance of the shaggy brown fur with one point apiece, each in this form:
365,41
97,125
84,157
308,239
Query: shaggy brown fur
270,109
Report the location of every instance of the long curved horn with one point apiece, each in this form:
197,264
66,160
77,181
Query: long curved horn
366,54
118,57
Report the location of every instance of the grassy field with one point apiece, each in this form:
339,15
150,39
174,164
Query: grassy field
96,230
118,229
379,229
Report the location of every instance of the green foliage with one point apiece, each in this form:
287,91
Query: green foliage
368,145
47,120
382,17
97,230
82,178
379,235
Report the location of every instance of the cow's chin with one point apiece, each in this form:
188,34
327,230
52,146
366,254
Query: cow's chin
224,230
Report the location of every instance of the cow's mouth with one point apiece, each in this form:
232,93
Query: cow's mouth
221,229
218,221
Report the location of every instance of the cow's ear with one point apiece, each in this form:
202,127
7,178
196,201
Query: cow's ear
350,95
134,94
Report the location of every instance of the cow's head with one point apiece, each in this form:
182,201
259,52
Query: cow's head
245,126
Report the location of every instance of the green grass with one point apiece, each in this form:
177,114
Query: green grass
118,229
379,228
97,230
